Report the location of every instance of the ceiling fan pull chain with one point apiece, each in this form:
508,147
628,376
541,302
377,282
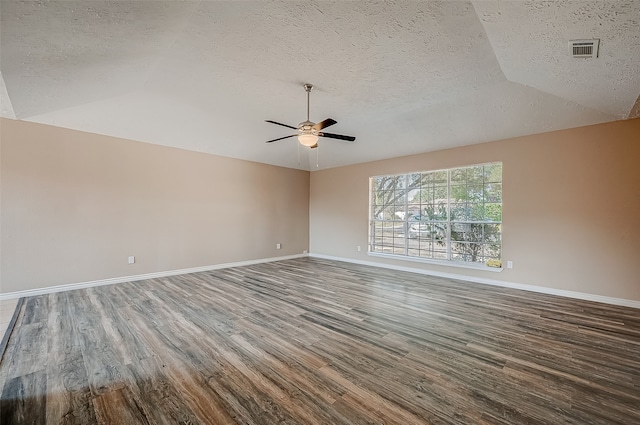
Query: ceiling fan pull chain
317,149
298,145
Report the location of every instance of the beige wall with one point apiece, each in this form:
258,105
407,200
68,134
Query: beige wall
75,205
571,204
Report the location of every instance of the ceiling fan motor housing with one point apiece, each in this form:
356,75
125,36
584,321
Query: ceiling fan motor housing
307,127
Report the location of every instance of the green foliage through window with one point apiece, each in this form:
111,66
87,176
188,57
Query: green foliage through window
451,215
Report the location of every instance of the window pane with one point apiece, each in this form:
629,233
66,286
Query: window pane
440,193
376,235
425,195
440,232
435,211
387,232
440,177
475,193
410,213
493,251
476,212
462,251
458,175
413,243
383,197
475,175
459,212
440,211
428,212
414,196
493,192
440,255
457,236
493,212
460,231
426,253
458,193
399,196
386,213
467,232
414,179
475,233
493,173
492,233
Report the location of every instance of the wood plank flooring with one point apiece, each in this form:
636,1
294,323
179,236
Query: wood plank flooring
312,341
9,311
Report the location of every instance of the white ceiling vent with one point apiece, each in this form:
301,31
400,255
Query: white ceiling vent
584,48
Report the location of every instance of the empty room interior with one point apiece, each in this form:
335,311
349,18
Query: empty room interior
276,212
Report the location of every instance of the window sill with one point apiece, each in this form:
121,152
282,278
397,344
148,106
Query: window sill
457,264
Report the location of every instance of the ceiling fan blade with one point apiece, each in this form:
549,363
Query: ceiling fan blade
284,125
337,136
324,124
314,146
285,137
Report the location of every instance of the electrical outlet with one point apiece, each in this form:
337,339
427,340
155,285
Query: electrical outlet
305,252
277,246
509,264
132,259
359,249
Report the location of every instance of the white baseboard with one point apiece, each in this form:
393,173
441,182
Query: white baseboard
532,288
541,289
110,281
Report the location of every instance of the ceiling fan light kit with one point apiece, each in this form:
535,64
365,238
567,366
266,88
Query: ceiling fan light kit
308,139
309,132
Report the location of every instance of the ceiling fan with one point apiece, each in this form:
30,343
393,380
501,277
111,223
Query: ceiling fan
308,131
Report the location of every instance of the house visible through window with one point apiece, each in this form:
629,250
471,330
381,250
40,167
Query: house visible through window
452,215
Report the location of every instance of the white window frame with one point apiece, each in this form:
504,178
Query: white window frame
375,249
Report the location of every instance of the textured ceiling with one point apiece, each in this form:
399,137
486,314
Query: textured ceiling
403,77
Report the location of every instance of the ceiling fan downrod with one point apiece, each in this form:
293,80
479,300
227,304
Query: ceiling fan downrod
308,87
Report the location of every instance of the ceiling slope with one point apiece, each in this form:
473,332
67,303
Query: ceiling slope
6,108
535,52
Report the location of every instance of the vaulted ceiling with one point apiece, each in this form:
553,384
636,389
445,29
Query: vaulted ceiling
403,77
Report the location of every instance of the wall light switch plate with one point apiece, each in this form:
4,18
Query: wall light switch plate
509,264
277,246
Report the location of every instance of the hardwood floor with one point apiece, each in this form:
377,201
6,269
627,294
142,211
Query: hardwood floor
311,341
8,311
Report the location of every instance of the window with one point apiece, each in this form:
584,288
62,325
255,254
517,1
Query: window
445,215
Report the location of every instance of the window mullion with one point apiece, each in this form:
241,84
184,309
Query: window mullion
449,215
484,217
406,214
